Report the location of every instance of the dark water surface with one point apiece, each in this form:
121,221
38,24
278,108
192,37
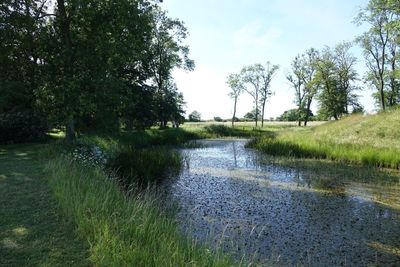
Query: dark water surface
283,215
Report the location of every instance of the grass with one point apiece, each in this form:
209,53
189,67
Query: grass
372,140
67,214
122,230
32,233
171,136
144,167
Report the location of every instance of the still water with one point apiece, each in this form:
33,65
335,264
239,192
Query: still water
238,200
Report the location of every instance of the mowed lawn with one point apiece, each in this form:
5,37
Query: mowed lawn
32,233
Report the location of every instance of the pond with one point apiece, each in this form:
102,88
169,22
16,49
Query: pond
275,213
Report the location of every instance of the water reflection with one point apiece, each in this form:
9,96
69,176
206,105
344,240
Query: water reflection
289,215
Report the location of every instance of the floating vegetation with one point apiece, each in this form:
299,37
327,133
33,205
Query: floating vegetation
288,213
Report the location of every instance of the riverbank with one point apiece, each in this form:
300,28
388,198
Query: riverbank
372,140
97,222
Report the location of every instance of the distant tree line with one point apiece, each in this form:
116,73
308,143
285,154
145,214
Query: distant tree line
89,65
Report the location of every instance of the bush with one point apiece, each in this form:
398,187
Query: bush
144,166
21,127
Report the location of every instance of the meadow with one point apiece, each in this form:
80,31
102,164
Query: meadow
372,140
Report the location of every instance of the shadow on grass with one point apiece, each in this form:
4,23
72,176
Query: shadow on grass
31,231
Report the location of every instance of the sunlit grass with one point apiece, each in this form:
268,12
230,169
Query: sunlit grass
122,230
368,140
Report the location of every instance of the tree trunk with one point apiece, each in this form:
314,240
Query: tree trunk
234,112
262,114
392,98
382,94
66,37
70,130
129,123
307,111
256,107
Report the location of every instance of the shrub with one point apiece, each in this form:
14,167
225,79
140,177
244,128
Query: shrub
21,127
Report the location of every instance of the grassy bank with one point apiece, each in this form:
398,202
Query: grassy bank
175,136
32,233
122,230
127,228
372,140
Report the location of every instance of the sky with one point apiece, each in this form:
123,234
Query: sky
226,35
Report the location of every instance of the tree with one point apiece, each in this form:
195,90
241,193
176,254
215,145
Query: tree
252,75
250,115
167,52
292,115
22,37
89,64
335,76
331,97
94,56
302,79
259,78
376,42
171,107
234,81
267,75
195,116
346,74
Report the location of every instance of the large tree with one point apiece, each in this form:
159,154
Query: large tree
167,52
22,37
88,64
346,74
302,79
379,44
335,76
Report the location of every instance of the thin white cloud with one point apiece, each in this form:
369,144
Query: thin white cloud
254,38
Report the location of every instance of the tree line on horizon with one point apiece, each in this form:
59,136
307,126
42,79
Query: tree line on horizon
329,76
88,66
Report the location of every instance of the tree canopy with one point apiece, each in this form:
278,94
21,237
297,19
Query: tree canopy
92,64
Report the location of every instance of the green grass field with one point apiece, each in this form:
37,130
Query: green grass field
368,140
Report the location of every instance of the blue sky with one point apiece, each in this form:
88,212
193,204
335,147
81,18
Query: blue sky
227,35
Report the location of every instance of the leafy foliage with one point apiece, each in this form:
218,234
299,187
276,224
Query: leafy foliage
22,127
92,65
194,116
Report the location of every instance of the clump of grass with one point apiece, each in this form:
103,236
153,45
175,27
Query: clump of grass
122,230
215,130
144,166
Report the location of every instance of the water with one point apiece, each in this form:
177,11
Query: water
233,198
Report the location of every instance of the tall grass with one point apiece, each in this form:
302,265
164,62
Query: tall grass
368,140
144,166
122,230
